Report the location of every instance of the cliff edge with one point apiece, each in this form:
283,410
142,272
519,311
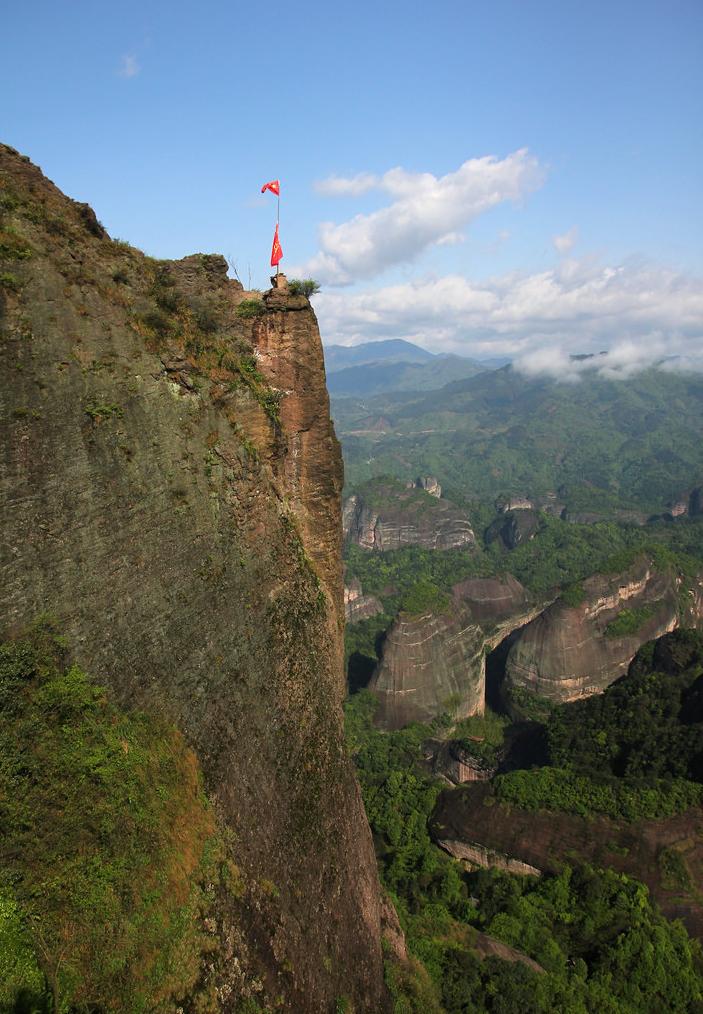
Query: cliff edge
170,483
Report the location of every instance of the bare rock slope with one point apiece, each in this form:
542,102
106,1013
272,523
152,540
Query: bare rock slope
572,651
387,515
436,662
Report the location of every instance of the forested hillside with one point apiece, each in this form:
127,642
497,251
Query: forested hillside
599,445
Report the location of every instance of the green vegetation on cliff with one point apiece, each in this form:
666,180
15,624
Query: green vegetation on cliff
109,857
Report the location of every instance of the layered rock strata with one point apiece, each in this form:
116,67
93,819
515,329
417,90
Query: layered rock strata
357,606
393,516
436,662
170,486
571,652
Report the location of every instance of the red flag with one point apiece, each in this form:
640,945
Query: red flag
274,186
276,250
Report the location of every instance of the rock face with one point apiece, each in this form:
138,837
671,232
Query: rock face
571,652
452,761
435,663
357,606
388,515
430,664
513,527
428,483
170,480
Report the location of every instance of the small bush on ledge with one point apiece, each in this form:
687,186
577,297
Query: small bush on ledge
303,287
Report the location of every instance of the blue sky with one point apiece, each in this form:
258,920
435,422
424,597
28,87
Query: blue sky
168,117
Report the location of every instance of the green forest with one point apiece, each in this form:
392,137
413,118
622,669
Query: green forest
595,939
598,445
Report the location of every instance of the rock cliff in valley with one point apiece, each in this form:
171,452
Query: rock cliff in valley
386,515
171,482
436,662
572,651
357,605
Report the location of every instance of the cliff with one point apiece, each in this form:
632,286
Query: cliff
436,662
170,480
524,842
386,515
357,605
572,651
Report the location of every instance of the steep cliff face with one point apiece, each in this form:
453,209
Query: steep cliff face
430,664
386,515
513,528
436,662
571,652
170,480
357,606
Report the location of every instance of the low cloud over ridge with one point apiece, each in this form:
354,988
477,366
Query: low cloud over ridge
426,210
642,313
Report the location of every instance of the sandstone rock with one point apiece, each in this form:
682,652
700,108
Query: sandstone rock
428,483
386,515
436,663
514,503
513,527
429,665
357,606
477,856
188,541
565,652
453,761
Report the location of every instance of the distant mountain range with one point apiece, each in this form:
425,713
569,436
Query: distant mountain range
394,365
602,445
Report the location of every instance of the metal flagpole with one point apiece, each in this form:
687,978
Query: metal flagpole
278,219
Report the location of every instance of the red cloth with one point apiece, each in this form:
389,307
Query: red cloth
274,186
276,250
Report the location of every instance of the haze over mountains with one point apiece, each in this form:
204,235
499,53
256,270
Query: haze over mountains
394,365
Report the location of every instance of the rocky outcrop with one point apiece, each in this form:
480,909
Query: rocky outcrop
430,664
475,824
387,515
477,856
357,606
428,483
513,527
170,483
454,762
569,652
435,662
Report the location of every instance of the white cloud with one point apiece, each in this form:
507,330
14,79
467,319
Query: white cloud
129,66
339,186
641,313
425,210
565,243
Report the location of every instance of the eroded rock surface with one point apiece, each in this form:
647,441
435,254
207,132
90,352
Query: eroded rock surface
357,606
388,515
514,527
170,482
435,662
571,652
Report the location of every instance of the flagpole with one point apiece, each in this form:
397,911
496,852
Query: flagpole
278,219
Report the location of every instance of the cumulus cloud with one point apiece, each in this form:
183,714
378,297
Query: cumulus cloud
425,210
129,66
565,243
640,313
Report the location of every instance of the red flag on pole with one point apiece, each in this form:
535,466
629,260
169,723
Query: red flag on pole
276,250
274,186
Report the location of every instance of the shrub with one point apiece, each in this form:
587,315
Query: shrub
303,287
250,308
